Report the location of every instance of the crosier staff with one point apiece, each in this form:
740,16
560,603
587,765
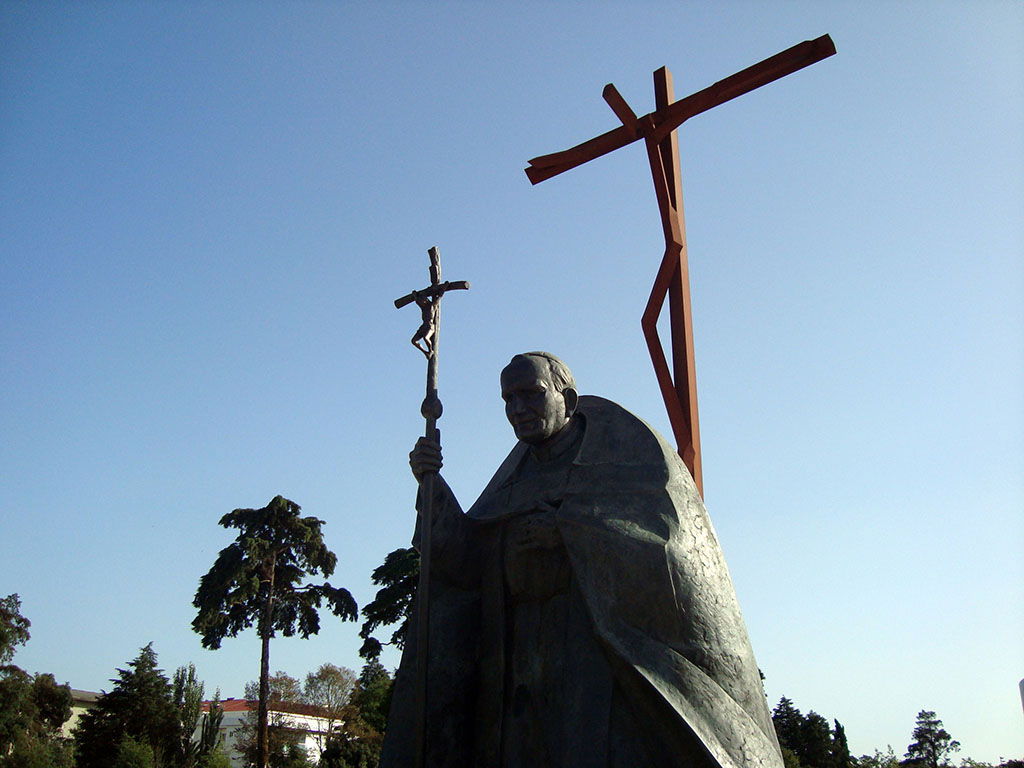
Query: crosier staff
426,341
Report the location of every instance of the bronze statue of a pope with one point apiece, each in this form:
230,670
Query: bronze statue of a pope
581,611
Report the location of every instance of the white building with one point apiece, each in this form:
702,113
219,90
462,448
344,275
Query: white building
81,702
307,723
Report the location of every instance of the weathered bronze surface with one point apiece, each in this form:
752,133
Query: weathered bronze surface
426,340
582,615
678,387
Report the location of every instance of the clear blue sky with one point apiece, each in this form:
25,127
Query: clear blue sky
207,208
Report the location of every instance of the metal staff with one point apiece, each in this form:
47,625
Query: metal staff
426,341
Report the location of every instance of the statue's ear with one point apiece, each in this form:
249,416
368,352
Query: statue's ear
572,399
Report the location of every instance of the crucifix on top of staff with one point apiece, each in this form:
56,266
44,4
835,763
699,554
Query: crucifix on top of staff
426,340
657,129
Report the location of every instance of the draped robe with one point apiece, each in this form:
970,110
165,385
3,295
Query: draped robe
620,645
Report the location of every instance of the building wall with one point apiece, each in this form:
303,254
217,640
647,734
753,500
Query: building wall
314,732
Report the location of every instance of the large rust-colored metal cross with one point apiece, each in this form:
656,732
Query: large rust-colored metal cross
657,129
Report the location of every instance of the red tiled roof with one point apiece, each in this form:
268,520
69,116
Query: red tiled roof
290,707
232,705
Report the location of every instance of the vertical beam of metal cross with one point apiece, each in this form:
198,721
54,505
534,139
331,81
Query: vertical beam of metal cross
684,372
426,340
679,384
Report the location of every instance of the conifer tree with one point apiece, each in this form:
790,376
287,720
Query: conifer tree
789,726
932,744
373,694
840,748
397,578
139,707
256,580
816,742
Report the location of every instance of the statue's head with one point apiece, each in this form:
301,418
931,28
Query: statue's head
540,396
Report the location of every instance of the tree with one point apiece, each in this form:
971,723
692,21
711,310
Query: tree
139,707
215,759
360,735
134,754
210,736
373,694
931,743
789,726
840,748
789,758
32,708
807,741
816,742
256,580
880,759
329,690
398,578
13,627
188,701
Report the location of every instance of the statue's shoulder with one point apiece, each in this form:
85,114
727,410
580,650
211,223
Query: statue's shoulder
617,436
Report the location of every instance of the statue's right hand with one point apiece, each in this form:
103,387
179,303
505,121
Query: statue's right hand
425,457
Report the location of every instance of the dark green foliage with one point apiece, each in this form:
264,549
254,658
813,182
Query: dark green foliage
139,707
13,627
346,752
878,760
840,748
931,745
361,735
134,754
789,758
807,741
210,736
32,708
215,759
373,695
52,701
256,580
788,725
274,551
816,742
33,750
188,701
15,705
398,578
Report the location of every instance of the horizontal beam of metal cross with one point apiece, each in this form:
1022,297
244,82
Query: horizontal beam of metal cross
678,383
666,119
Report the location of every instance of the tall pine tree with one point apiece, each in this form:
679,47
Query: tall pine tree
257,580
931,745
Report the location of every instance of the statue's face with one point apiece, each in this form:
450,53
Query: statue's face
534,407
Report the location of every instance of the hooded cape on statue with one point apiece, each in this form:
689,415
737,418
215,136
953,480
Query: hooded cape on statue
650,591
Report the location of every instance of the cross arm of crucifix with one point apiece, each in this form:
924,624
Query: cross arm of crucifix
661,122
